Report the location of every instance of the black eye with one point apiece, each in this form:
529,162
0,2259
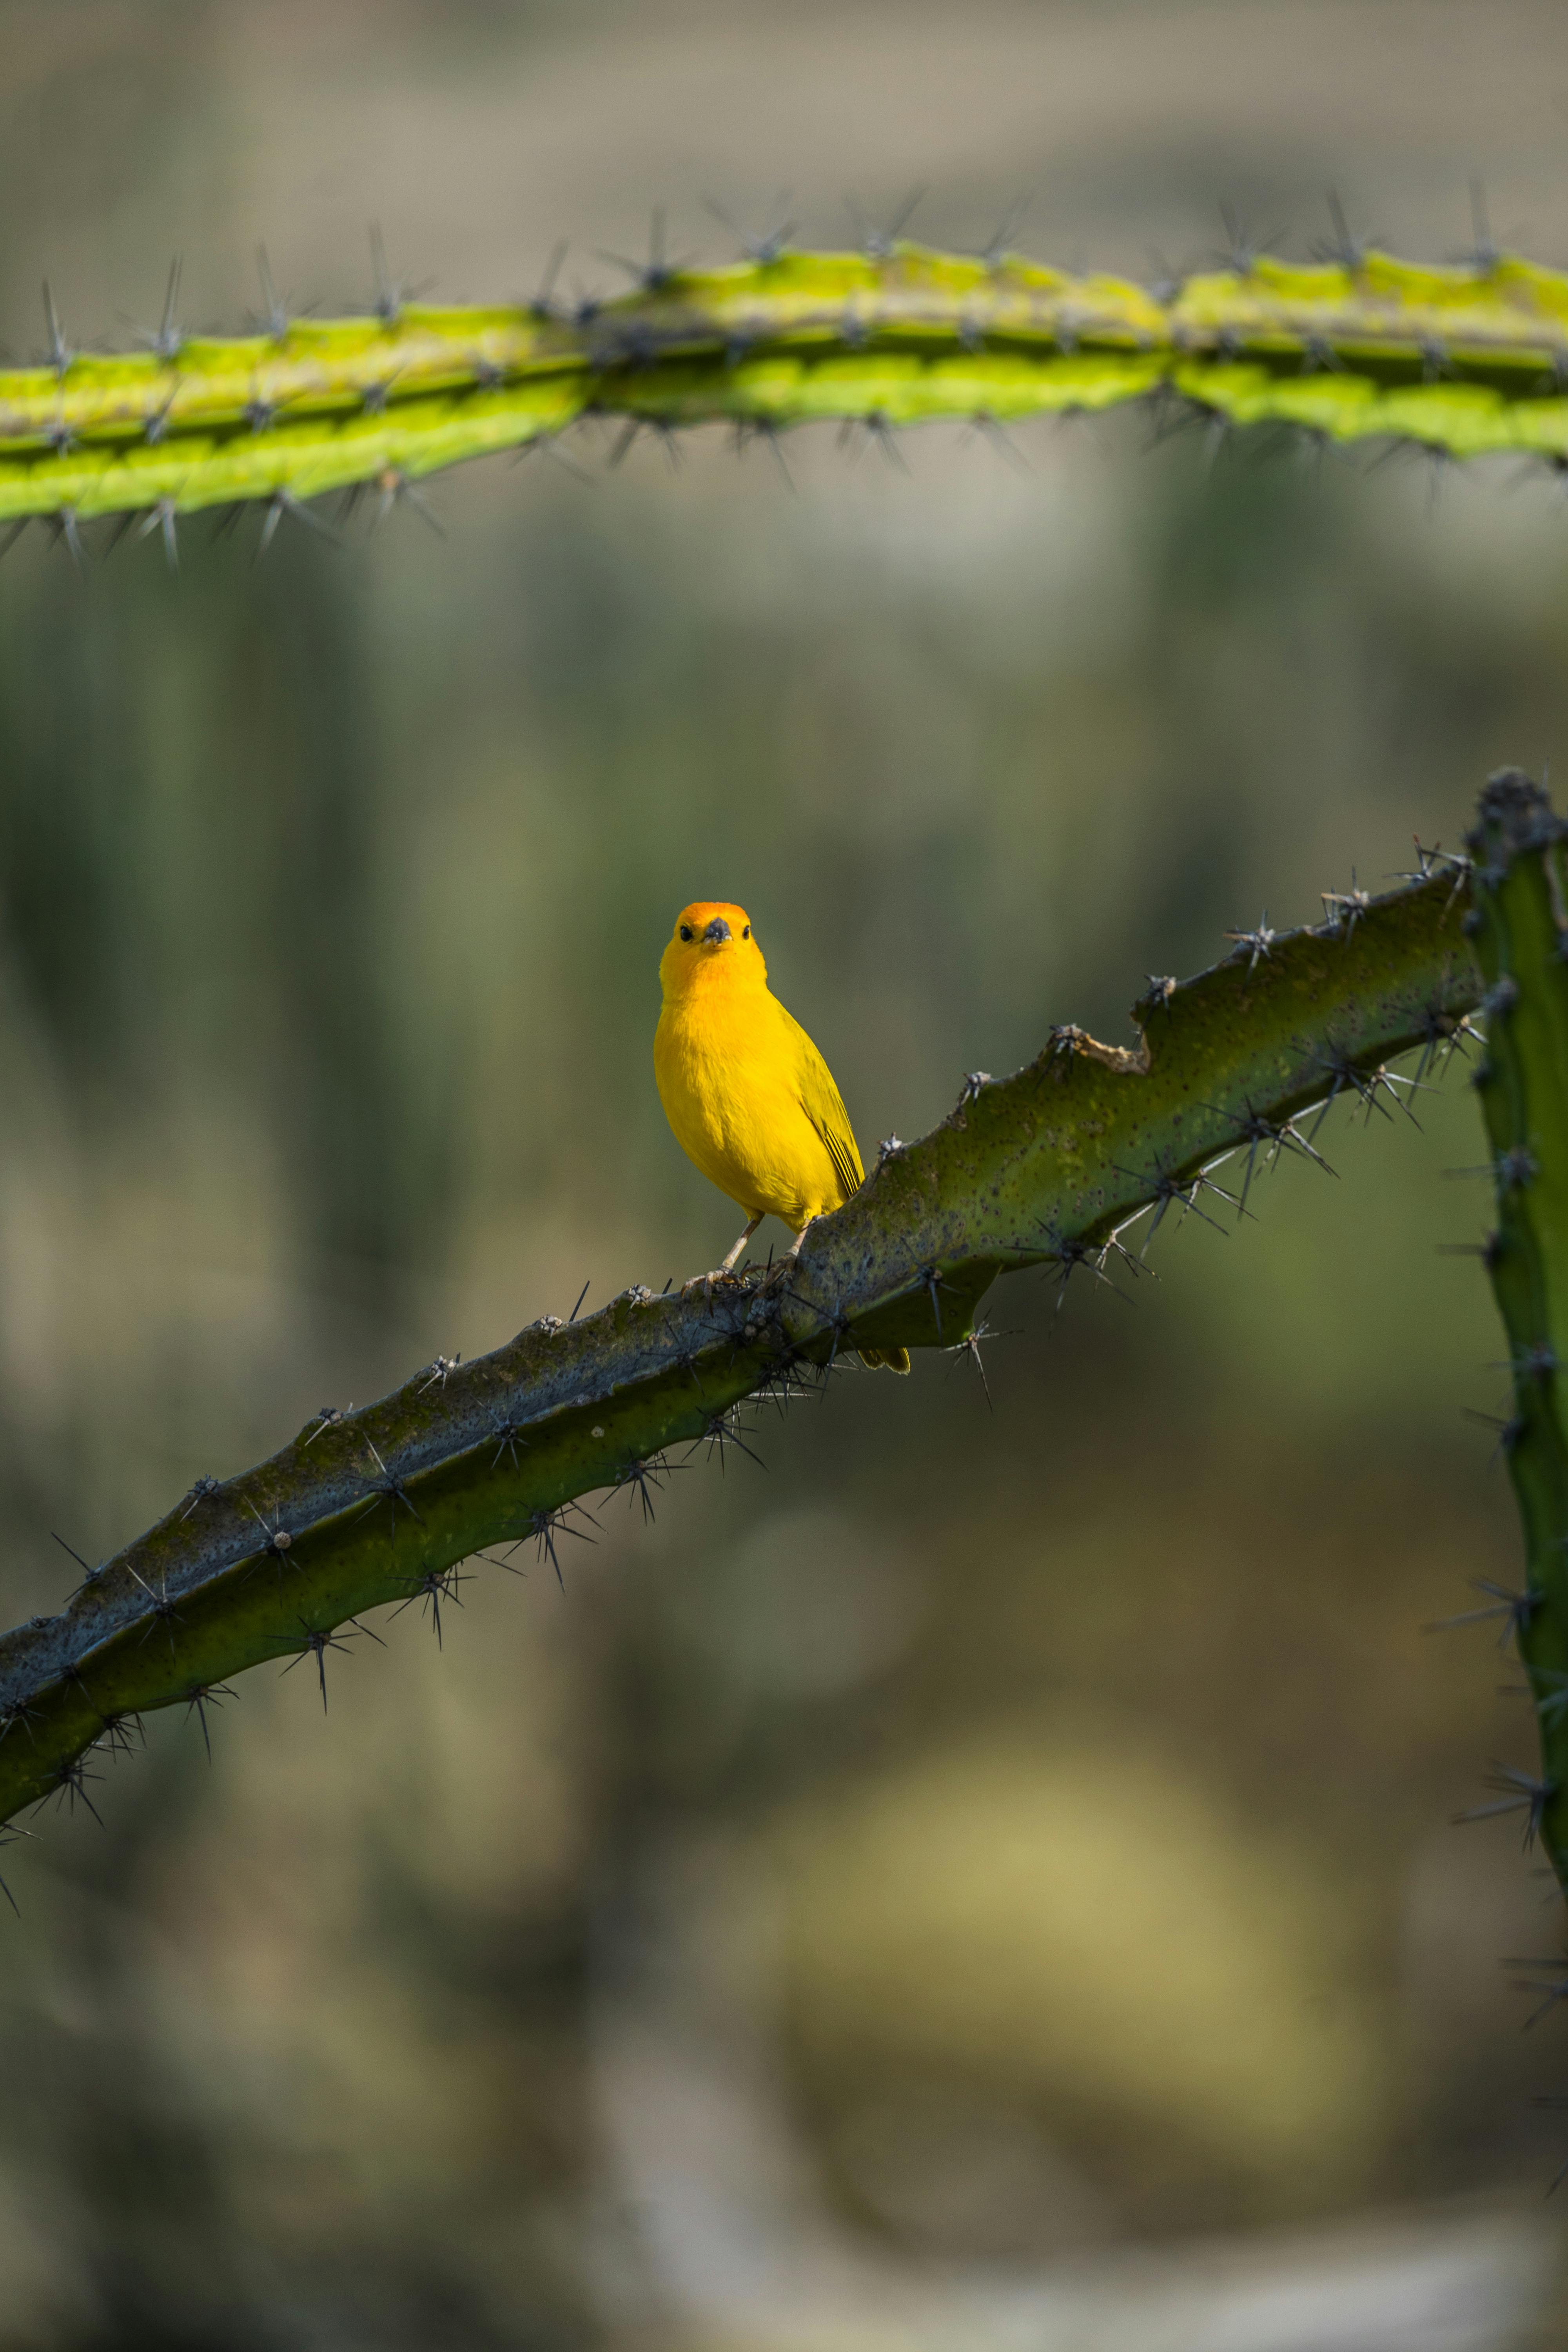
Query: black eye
747,932
686,931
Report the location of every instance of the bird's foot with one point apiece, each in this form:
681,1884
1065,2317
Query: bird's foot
705,1282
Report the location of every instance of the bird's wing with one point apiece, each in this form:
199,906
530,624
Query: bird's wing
823,1106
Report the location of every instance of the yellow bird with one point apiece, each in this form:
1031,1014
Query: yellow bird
749,1099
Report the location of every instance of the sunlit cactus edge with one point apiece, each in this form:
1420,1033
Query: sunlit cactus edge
1458,360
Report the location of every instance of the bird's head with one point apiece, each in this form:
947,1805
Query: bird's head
711,943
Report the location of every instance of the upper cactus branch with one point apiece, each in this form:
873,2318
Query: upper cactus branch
1048,1166
1458,359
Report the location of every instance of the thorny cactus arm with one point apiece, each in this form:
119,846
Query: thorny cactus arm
1046,1167
1519,923
1457,361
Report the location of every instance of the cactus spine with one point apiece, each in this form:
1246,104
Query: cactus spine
1457,361
1520,924
1048,1167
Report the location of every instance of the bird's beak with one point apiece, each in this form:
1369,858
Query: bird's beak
718,930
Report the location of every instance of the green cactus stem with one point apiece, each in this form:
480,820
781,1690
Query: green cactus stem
1520,924
1048,1167
1457,361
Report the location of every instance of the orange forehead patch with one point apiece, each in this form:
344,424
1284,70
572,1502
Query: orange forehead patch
703,911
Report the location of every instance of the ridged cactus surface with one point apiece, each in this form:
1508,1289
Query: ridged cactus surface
1459,360
1520,922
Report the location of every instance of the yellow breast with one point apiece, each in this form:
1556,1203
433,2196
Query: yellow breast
729,1074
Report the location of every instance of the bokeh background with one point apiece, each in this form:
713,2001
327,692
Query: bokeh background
984,1880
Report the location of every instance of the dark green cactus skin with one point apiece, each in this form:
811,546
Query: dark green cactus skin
1520,924
1045,1167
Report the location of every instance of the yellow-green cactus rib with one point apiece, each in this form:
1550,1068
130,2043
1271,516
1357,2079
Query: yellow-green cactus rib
1460,360
1521,928
1048,1166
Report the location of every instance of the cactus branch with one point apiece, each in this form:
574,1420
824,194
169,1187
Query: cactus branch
1457,361
1521,928
1049,1167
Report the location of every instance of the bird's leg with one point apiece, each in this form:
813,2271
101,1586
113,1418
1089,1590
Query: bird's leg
729,1264
706,1281
798,1242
